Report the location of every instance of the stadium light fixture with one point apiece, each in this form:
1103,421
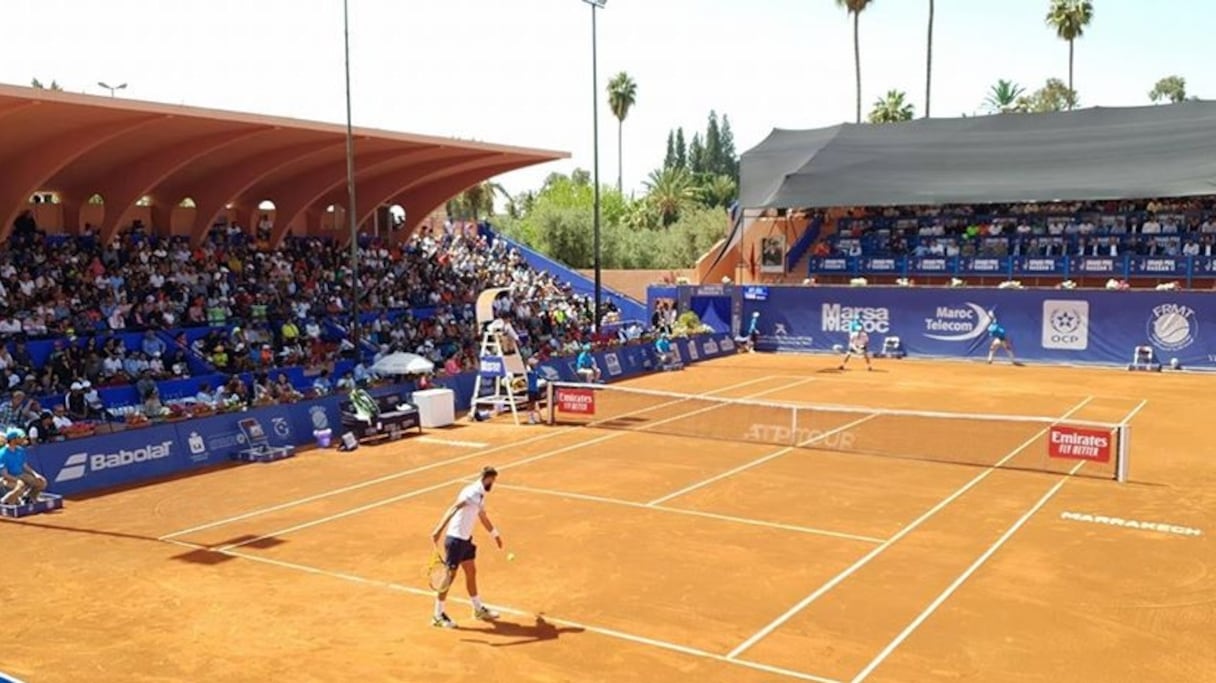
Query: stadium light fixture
595,131
351,209
112,88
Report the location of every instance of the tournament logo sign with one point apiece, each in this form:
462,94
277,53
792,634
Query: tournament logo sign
693,354
711,348
1172,327
1065,325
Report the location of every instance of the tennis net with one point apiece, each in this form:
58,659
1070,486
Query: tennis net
1003,441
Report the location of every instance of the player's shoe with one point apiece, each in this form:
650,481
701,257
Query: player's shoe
443,621
485,614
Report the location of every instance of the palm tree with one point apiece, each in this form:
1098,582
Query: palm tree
622,95
1172,88
929,63
670,192
856,7
1069,18
477,201
1003,97
717,191
892,108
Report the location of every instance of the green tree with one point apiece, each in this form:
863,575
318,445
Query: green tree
729,154
681,149
1170,88
891,108
855,8
929,63
1053,96
1069,18
580,176
35,83
696,155
670,191
712,162
669,160
717,191
622,95
476,202
1003,97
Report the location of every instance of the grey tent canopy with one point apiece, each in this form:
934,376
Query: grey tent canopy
1088,154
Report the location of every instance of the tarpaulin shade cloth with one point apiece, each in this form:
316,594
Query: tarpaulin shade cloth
1088,154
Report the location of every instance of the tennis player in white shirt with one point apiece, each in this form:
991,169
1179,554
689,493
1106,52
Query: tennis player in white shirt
459,549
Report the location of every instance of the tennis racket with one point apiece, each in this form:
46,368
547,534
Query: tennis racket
437,573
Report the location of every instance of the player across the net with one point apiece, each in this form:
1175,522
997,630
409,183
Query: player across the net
1035,443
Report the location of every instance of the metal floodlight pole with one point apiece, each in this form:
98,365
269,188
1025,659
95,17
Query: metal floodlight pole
351,209
595,127
112,88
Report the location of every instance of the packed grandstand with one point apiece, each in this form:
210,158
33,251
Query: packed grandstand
81,315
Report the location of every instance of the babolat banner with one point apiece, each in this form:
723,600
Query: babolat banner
1099,327
134,455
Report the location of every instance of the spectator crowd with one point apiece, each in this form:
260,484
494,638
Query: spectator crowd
1153,227
266,308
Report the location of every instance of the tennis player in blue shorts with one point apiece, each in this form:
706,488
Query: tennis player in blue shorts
859,345
460,553
1000,339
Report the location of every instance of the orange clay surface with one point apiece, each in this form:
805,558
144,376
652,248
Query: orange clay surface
807,565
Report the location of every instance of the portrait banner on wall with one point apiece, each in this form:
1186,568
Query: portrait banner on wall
772,254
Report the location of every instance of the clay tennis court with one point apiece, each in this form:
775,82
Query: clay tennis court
664,558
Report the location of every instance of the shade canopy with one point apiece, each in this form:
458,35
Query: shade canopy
1088,154
403,364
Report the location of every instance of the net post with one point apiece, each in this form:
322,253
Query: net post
1122,453
552,418
793,426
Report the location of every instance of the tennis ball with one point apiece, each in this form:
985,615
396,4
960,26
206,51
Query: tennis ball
510,557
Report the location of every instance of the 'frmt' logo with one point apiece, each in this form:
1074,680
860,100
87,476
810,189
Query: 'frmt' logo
1172,327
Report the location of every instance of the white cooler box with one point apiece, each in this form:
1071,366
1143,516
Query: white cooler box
436,407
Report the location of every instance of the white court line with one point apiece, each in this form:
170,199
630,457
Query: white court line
461,480
761,461
451,442
692,513
1135,411
611,633
945,595
354,487
398,475
836,580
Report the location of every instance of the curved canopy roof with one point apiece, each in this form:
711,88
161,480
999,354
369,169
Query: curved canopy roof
1088,154
81,145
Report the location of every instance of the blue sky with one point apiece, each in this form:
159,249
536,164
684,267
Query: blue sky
518,71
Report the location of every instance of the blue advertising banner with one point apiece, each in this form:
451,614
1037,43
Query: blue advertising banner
835,264
984,265
492,367
1157,266
755,293
938,265
1082,266
896,264
1041,265
1100,327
